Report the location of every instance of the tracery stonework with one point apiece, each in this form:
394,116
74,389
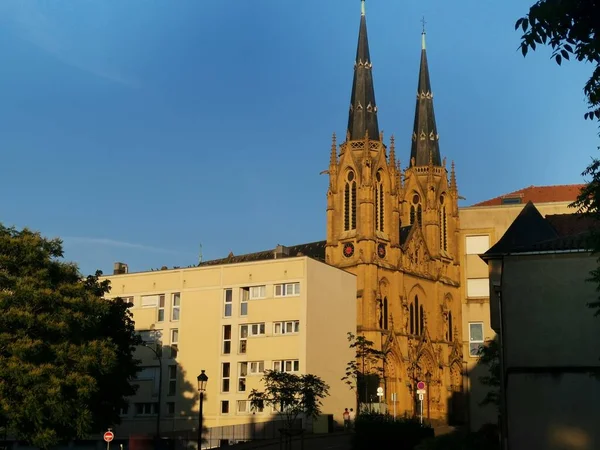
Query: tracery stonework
404,228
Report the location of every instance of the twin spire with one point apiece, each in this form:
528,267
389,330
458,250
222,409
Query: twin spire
363,108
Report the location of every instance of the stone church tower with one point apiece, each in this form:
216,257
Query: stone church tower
397,230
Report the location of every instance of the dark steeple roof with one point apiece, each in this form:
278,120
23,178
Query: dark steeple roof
425,136
363,109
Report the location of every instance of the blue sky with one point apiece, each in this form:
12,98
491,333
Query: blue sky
137,130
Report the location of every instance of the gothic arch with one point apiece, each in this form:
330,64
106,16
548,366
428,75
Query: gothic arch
443,218
416,301
379,187
350,198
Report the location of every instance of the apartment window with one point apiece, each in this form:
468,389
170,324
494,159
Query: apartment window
242,373
288,327
151,301
161,309
286,366
224,406
225,376
146,409
244,303
243,339
228,302
477,245
226,339
478,287
256,367
172,380
170,408
252,330
475,338
245,407
254,292
287,290
124,411
174,343
175,305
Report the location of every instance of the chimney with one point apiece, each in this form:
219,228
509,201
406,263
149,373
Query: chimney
281,251
120,268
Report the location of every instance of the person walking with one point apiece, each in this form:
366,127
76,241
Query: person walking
352,418
346,417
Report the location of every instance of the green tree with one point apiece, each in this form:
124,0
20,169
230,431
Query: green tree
364,372
489,356
571,28
290,394
66,353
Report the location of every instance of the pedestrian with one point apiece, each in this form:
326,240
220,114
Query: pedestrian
352,418
346,417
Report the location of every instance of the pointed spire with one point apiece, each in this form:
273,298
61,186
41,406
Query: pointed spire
453,186
363,109
425,138
333,157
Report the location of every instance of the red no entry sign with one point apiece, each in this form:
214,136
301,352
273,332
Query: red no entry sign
420,385
109,436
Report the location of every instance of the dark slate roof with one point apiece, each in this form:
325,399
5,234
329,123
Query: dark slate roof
424,147
363,109
315,250
531,232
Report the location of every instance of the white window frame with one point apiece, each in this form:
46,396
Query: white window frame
478,287
174,335
282,365
242,376
287,289
245,407
160,317
228,302
256,368
280,328
476,341
474,244
175,306
153,407
226,340
243,302
223,377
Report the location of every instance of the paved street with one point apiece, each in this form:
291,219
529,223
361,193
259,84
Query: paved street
327,442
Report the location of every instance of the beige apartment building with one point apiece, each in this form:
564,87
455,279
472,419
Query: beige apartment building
234,321
481,226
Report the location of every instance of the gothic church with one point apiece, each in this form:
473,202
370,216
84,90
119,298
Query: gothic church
397,230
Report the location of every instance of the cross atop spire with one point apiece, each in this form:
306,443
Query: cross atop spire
423,34
363,109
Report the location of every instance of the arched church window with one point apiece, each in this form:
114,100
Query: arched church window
412,319
350,202
421,319
449,331
379,202
415,209
419,214
385,313
417,317
443,224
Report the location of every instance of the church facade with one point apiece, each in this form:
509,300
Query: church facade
398,231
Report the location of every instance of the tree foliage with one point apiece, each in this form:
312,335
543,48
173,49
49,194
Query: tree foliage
368,364
569,28
572,28
66,353
290,394
489,355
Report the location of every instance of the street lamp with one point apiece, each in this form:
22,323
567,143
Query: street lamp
202,380
428,380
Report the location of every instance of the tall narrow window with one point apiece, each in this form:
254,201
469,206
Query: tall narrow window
412,214
226,339
412,319
161,309
242,374
417,317
350,202
419,214
379,202
450,326
228,303
415,209
175,306
421,319
225,376
244,296
385,313
443,224
172,380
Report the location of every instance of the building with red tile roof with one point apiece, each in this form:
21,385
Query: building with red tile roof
536,194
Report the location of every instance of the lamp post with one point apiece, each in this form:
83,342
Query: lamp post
428,380
159,389
202,380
